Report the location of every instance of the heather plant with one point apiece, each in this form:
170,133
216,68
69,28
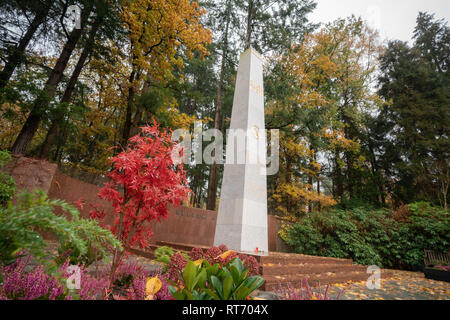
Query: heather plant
92,288
22,281
164,292
20,284
305,292
134,280
21,226
127,273
138,289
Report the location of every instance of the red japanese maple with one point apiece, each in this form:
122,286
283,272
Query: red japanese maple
144,181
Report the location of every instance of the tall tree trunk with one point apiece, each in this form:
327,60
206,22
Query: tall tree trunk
311,189
310,179
312,158
350,177
130,101
338,183
54,128
248,35
17,54
212,184
136,122
319,205
41,103
375,170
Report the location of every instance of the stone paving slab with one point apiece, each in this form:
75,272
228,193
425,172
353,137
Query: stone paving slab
402,285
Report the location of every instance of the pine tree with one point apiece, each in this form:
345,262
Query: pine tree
415,84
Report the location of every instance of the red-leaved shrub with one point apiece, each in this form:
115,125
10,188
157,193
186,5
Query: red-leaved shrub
213,255
143,182
251,263
196,254
176,265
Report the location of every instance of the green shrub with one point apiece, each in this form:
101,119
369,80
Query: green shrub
373,236
428,228
68,250
163,254
20,227
7,183
353,203
212,282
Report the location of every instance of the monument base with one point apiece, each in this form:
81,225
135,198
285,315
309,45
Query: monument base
242,238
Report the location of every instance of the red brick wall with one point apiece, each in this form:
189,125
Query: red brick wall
71,190
184,225
188,226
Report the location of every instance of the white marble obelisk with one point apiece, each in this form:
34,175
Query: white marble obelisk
242,217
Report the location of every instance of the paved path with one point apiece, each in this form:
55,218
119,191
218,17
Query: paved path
147,264
402,285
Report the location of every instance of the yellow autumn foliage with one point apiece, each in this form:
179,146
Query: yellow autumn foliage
176,23
152,286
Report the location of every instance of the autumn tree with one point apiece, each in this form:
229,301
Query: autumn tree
157,31
105,25
268,26
144,182
40,105
318,95
15,50
356,52
297,105
274,25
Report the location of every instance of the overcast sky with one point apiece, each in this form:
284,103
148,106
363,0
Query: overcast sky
395,19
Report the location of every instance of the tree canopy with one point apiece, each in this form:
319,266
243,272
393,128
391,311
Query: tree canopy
360,121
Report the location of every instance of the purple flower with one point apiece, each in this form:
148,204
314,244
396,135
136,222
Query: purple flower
19,284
